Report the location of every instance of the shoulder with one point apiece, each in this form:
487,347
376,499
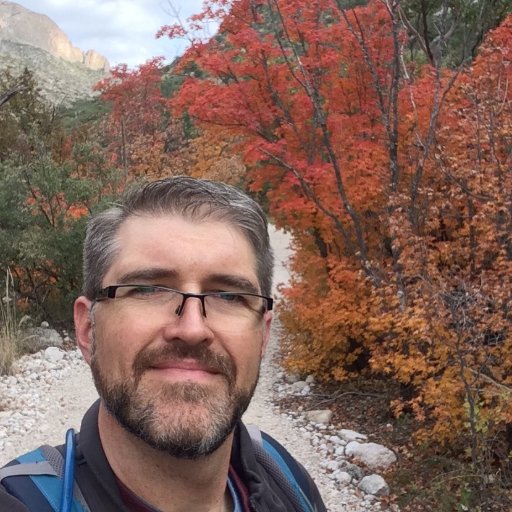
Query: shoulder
27,480
10,503
11,484
284,469
270,452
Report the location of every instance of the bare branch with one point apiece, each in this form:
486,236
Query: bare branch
6,96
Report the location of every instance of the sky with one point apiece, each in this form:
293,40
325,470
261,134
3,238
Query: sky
121,30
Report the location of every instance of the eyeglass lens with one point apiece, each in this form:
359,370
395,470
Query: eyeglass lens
235,308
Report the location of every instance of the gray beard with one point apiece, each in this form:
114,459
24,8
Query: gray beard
204,418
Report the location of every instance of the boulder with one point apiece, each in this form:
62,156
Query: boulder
321,416
351,435
374,484
373,455
342,477
54,354
40,338
352,469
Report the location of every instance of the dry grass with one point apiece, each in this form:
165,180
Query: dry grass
9,328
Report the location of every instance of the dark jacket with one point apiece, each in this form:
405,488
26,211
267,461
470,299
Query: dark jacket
99,487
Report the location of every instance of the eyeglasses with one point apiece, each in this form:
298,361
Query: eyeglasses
216,306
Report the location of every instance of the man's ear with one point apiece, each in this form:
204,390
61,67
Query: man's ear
84,326
267,323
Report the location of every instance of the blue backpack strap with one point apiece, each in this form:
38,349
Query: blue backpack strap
18,483
285,470
44,481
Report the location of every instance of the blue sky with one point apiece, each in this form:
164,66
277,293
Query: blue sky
121,30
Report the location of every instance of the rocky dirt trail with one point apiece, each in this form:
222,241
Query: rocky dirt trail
44,398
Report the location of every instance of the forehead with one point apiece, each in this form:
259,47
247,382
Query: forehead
188,247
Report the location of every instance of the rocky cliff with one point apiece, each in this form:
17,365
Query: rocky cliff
19,25
34,41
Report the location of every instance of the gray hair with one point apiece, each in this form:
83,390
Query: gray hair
192,198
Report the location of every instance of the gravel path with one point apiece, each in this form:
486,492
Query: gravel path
43,399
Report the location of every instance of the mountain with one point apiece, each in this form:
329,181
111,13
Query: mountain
28,39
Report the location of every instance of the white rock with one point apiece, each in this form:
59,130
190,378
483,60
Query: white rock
340,451
298,386
305,390
373,455
322,416
53,354
292,378
45,325
11,380
351,435
342,477
333,465
375,485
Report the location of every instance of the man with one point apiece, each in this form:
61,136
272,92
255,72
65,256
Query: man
174,320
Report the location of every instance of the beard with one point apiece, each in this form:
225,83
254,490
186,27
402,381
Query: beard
186,420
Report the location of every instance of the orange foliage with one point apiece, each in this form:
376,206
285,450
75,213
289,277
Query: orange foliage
146,141
213,155
56,209
396,185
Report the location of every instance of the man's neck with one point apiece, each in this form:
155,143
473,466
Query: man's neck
167,483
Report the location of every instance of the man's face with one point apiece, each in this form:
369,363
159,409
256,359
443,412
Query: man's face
180,383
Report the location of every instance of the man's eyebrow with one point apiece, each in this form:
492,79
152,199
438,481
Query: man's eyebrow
147,274
230,281
234,283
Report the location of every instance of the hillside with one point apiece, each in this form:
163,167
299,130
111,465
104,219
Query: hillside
64,72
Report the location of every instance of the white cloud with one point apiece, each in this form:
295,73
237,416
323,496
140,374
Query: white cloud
121,30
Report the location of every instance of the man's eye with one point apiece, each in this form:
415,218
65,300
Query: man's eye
232,297
142,291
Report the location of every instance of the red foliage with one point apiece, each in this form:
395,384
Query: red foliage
395,180
136,126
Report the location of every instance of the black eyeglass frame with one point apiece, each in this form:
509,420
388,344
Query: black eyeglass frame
109,292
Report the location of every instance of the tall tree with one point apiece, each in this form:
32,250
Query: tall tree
26,120
138,130
48,182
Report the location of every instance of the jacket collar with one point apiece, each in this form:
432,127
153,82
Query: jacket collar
263,496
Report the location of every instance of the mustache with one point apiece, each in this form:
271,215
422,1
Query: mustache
179,350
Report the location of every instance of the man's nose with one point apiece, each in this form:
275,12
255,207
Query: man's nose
189,323
201,298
